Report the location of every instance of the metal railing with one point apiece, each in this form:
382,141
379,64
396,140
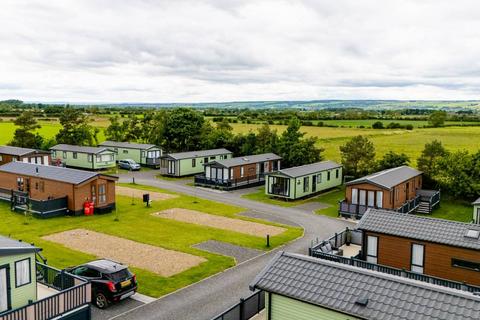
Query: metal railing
410,205
74,293
202,180
395,271
339,239
245,309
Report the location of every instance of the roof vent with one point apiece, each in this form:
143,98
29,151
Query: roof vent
362,302
472,234
36,170
245,159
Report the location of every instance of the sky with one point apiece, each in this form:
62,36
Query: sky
230,50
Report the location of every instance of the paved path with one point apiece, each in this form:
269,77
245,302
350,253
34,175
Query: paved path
207,298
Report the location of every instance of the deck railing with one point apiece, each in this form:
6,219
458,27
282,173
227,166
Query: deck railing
245,309
410,205
397,272
74,293
339,239
202,180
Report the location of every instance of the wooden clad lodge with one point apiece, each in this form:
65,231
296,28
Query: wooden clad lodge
440,248
143,154
9,154
53,190
303,181
397,189
90,158
191,162
238,172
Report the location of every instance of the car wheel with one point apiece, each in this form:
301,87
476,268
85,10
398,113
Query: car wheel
100,301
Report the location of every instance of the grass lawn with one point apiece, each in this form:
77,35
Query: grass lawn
262,197
330,197
117,170
451,209
136,223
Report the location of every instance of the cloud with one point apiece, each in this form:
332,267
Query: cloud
192,51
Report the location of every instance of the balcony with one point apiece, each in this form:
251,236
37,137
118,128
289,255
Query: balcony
58,293
153,162
345,247
21,201
229,184
425,201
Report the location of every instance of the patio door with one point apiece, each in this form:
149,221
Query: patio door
362,198
371,198
4,290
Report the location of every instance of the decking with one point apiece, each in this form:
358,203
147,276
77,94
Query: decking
229,184
425,202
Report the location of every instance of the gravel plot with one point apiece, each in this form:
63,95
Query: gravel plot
272,217
137,193
242,226
144,256
240,254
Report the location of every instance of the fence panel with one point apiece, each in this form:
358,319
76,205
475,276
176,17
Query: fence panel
245,309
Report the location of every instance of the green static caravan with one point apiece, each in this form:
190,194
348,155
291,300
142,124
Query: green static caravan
191,162
18,280
91,158
476,211
143,154
303,181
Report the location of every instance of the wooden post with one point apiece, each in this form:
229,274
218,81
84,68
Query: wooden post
242,309
268,241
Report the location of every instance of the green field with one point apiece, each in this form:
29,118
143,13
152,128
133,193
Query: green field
136,223
410,142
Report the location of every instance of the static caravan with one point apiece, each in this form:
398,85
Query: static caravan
18,280
238,172
143,154
191,162
92,158
9,154
303,181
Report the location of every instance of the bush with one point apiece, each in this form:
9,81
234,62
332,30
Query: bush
377,125
409,127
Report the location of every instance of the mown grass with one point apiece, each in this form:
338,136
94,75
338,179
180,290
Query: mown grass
260,195
136,223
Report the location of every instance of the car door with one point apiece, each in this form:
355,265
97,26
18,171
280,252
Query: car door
4,291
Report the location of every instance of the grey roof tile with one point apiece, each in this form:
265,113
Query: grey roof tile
197,154
238,161
420,228
16,151
338,286
11,246
388,178
73,176
309,168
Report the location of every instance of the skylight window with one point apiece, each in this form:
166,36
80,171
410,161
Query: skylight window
472,234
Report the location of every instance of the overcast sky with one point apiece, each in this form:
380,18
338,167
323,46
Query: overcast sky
201,51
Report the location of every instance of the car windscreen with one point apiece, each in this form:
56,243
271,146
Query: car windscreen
119,275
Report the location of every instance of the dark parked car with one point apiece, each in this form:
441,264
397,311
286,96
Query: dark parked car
111,281
128,164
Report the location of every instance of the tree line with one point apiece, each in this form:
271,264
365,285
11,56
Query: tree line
457,173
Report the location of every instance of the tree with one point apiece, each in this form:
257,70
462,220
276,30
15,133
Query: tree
115,131
427,162
267,140
377,125
296,150
456,173
24,136
183,130
392,160
75,128
437,118
358,156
